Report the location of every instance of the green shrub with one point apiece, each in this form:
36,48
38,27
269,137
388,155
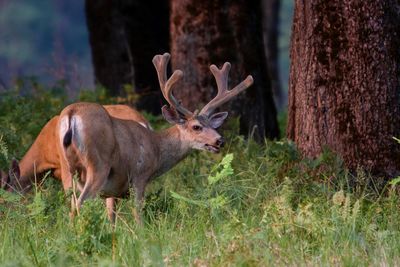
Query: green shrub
250,205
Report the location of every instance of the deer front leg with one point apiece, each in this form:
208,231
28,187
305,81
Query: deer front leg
140,186
57,173
66,179
110,203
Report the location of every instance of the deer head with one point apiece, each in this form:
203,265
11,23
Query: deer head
10,179
4,180
197,128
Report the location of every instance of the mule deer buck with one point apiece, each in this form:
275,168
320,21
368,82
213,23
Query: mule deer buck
43,154
111,155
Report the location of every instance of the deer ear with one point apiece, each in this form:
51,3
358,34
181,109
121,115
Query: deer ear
172,116
217,119
14,170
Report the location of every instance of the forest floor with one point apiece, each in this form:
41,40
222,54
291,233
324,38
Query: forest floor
250,205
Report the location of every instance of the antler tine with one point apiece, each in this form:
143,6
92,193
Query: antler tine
224,95
160,63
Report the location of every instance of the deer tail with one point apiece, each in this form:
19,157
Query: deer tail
67,140
71,131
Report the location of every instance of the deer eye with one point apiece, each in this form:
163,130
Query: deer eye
197,128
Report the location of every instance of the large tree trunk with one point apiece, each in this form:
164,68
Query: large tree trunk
270,10
212,32
124,36
344,81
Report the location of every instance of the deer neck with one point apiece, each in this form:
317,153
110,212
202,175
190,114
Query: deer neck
171,148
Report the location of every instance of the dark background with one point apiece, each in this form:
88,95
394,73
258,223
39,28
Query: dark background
48,40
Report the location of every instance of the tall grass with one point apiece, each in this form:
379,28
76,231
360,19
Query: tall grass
248,206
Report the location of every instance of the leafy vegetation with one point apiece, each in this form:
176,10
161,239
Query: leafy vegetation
248,206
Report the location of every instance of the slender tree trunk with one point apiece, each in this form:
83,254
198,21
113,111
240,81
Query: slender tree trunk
111,53
345,81
212,32
270,10
124,36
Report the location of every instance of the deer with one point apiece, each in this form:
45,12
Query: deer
112,155
43,155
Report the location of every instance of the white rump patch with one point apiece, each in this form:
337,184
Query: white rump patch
77,132
64,125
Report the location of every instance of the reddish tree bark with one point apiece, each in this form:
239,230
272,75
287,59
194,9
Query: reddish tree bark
344,90
212,32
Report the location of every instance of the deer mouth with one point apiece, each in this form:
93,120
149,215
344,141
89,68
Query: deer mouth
211,148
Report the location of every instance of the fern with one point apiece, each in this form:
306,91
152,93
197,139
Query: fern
227,170
222,170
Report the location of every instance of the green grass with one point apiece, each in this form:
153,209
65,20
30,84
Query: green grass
265,206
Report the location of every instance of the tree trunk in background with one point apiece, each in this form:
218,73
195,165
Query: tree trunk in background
212,32
344,81
124,37
270,10
110,46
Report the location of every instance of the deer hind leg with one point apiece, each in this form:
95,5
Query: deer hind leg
96,178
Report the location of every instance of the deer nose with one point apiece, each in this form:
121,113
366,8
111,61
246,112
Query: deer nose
220,142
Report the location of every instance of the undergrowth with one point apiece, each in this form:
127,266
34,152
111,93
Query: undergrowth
250,205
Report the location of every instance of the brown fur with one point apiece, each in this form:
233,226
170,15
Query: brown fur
113,155
43,154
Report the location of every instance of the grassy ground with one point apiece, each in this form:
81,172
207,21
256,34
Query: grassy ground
248,206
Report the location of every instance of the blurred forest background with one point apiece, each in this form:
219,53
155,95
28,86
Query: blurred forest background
48,40
44,39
